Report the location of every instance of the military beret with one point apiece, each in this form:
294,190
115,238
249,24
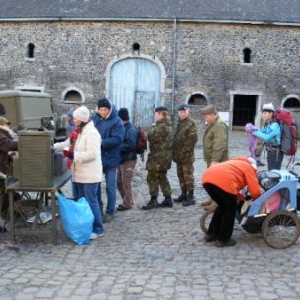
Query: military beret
160,108
208,110
182,106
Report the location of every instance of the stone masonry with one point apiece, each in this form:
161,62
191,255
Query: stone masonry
209,57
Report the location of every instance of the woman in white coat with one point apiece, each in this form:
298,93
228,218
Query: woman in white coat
85,154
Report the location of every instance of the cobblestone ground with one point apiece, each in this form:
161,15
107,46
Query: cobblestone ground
156,254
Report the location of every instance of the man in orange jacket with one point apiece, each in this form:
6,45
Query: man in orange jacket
223,182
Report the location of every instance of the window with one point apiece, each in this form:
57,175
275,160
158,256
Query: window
30,50
2,110
72,97
197,99
136,49
247,56
291,103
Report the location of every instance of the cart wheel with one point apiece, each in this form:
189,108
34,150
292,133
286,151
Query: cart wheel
281,229
205,220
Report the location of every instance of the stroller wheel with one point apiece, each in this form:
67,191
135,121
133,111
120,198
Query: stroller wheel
281,229
205,220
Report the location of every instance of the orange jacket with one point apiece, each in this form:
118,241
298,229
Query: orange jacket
232,176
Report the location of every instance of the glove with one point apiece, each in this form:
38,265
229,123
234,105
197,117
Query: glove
69,154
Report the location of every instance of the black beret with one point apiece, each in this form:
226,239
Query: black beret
160,108
182,106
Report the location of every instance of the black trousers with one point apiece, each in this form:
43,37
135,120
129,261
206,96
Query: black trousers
274,159
221,225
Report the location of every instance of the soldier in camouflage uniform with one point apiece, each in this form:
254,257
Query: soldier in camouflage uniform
159,159
185,139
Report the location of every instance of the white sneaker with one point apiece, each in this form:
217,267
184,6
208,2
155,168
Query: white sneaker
95,235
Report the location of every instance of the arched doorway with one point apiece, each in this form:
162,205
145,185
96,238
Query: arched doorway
136,83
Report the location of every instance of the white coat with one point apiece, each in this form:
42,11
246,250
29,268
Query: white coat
87,164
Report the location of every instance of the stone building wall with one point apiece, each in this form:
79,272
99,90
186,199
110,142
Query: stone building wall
209,58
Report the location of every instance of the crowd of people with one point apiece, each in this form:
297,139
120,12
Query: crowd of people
104,145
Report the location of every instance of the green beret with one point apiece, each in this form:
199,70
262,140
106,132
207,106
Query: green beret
160,108
209,110
182,106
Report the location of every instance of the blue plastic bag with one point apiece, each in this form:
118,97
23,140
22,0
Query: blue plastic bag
77,219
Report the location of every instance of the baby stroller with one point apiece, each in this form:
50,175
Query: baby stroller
274,213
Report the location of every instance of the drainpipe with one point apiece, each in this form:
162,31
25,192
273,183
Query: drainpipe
174,66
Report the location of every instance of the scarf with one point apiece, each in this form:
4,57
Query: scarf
73,137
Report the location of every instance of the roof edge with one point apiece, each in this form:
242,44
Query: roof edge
182,20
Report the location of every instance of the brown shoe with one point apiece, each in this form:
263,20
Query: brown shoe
123,208
107,218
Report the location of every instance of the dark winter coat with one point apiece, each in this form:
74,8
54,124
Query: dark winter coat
6,144
111,130
160,144
128,147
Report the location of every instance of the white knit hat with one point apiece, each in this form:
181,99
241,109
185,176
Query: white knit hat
82,114
268,107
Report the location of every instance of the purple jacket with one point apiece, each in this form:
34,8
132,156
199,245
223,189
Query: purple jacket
251,138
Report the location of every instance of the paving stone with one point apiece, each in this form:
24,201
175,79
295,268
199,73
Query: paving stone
156,254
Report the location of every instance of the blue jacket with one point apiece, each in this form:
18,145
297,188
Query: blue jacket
111,130
270,133
128,147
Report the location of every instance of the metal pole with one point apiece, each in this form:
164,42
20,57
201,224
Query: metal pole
174,65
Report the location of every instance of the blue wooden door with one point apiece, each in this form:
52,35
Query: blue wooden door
135,84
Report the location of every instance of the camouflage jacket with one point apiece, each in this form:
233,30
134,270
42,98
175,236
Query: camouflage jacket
215,141
184,141
160,146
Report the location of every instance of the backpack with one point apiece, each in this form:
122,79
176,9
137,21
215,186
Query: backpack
288,131
142,141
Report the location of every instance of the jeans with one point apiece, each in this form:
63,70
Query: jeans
90,192
74,190
111,190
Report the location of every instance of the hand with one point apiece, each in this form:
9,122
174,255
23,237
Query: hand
12,153
213,163
68,154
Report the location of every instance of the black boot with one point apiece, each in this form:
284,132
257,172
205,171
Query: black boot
190,199
151,204
182,197
167,202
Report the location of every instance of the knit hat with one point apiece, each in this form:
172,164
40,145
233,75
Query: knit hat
209,110
160,108
82,114
182,106
268,107
123,114
4,121
104,103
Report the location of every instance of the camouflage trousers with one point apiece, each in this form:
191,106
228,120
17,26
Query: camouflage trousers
156,180
185,174
3,197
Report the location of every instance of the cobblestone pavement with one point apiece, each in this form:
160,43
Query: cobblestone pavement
156,254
